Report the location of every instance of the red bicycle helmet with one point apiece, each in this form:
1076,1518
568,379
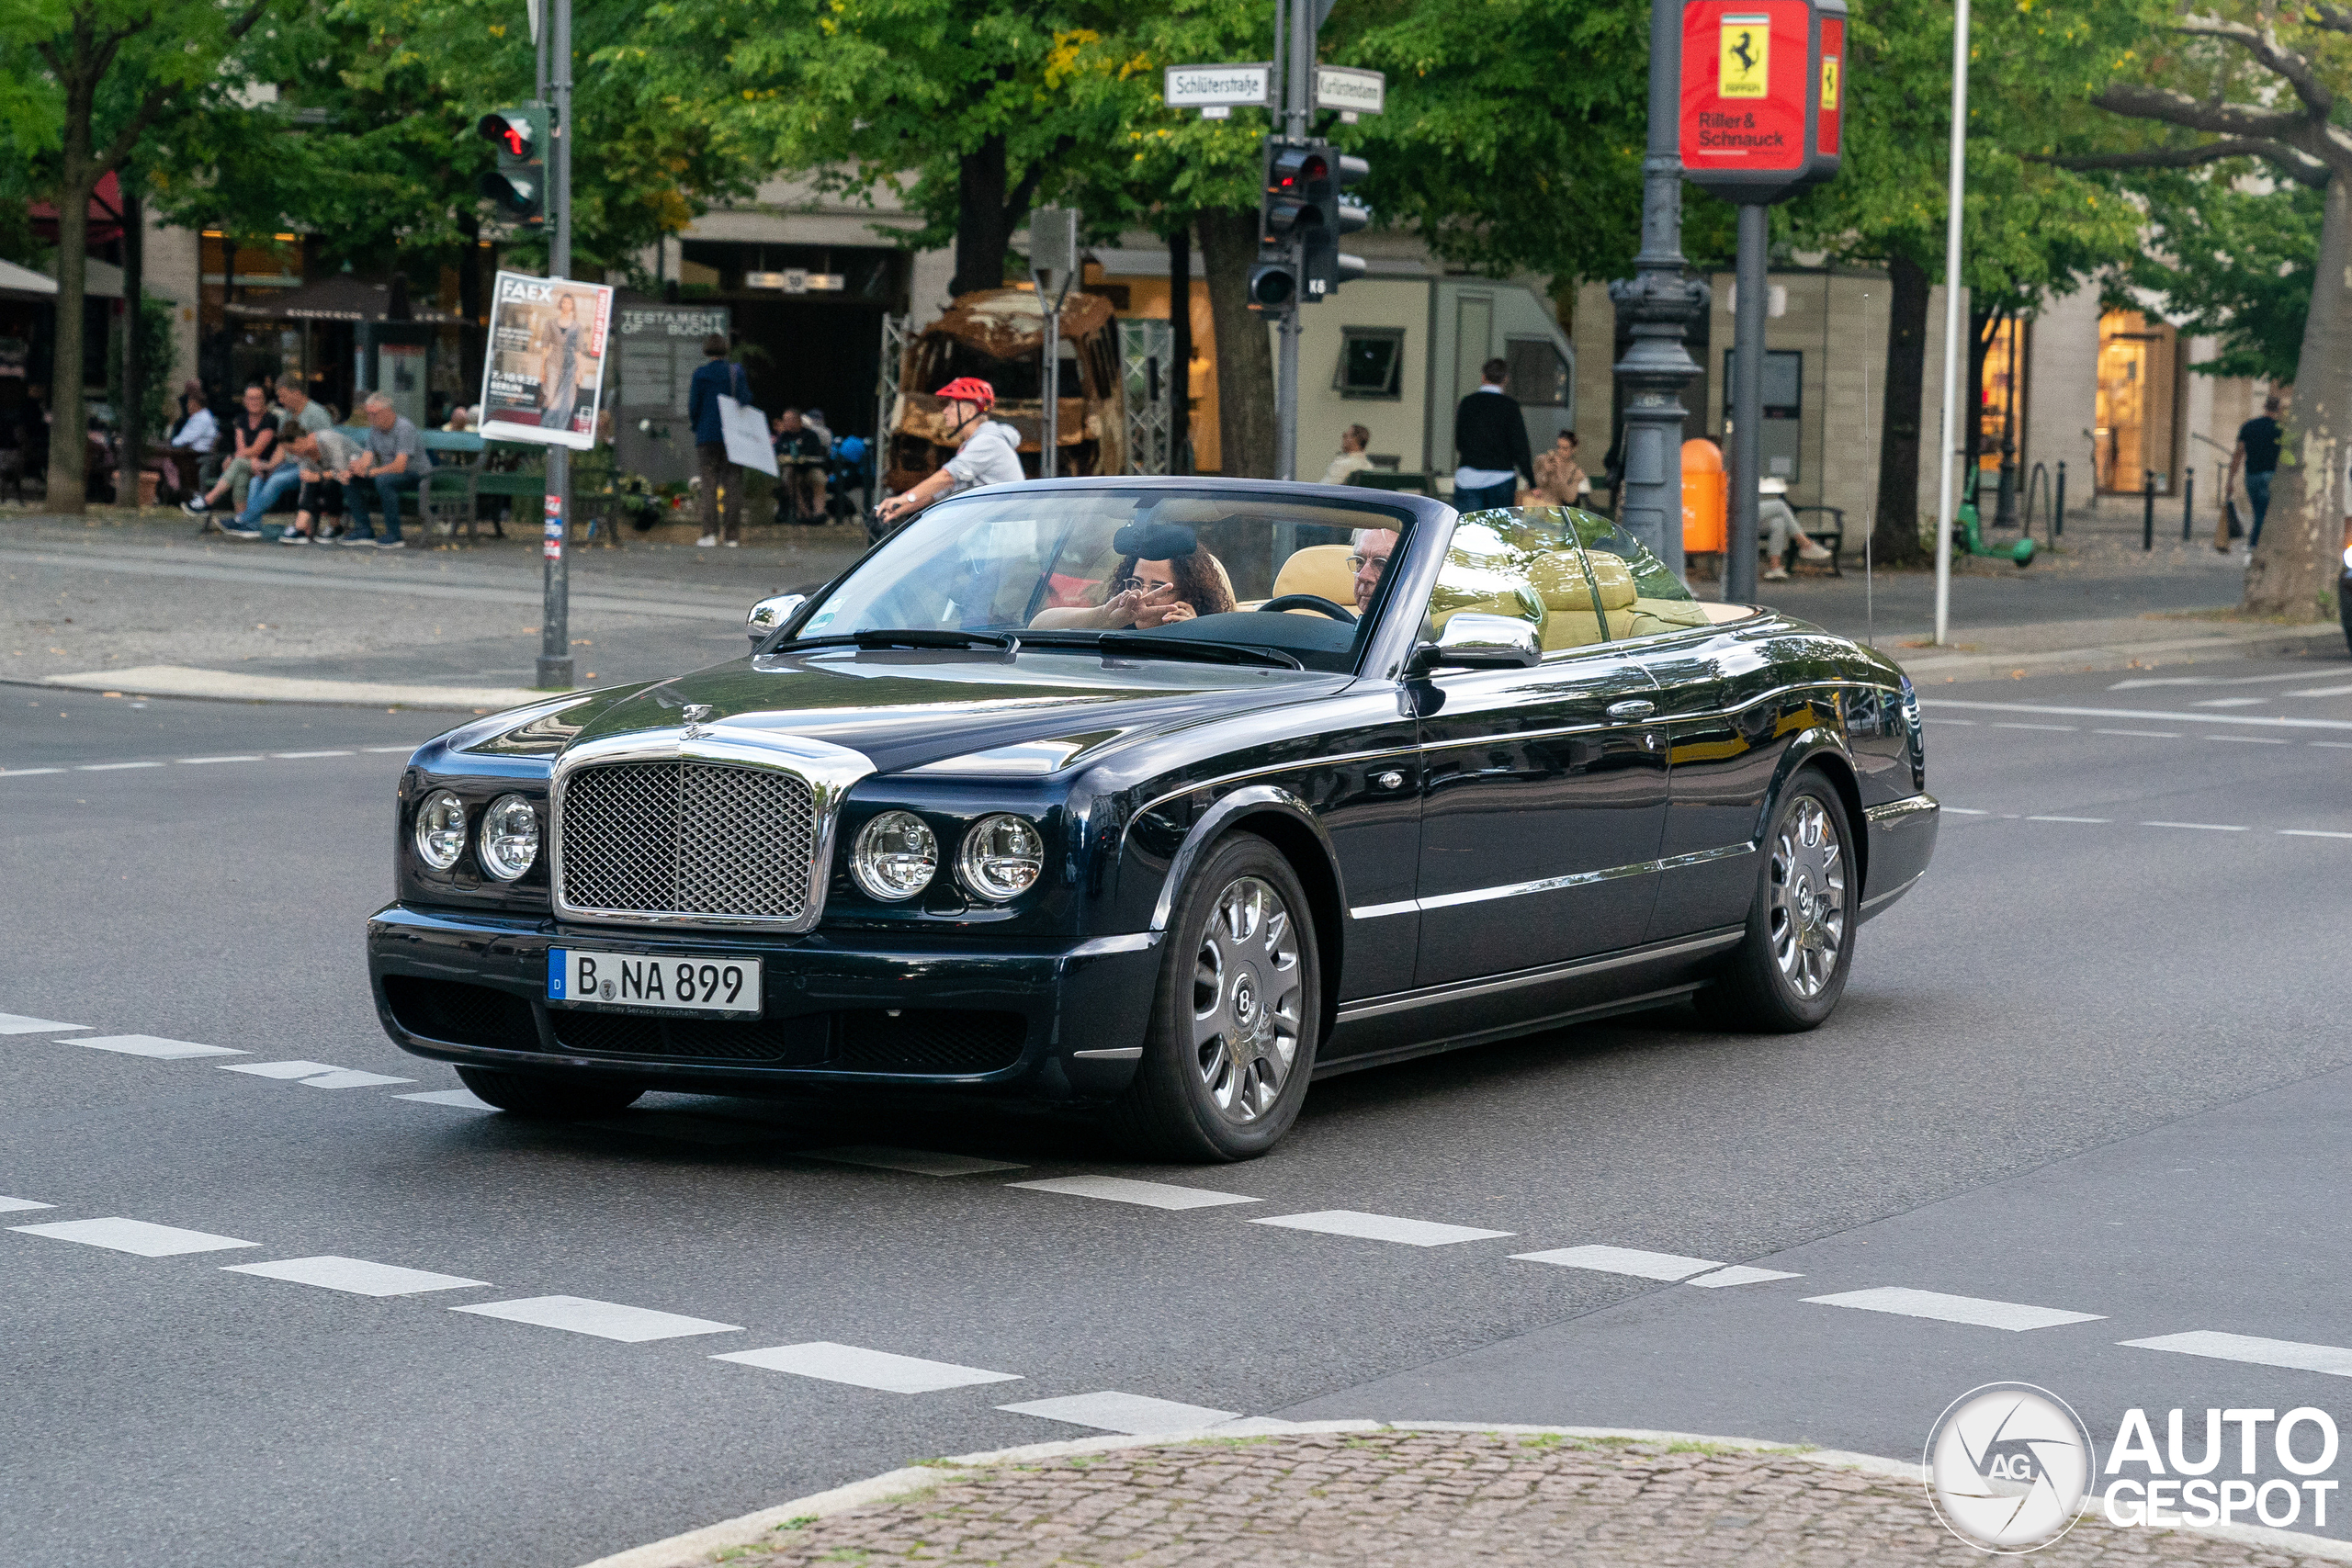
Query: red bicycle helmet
969,389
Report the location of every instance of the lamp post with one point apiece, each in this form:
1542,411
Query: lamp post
555,614
1661,300
1945,500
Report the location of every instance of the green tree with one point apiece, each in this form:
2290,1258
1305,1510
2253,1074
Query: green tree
2240,79
2030,229
82,82
2232,254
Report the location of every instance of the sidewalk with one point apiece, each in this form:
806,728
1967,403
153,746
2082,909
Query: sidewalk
117,602
1415,1499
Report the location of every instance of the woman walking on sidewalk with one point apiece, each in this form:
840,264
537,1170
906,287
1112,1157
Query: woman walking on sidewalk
716,378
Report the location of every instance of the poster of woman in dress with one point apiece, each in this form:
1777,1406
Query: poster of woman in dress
544,367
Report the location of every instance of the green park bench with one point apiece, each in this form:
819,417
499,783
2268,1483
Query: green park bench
451,494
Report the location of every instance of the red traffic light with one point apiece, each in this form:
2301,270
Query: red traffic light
511,132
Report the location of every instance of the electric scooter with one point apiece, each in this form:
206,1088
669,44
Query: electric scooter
1968,534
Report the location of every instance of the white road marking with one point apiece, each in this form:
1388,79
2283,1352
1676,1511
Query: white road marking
2251,739
357,1275
135,1235
2338,745
867,1368
2055,711
2089,819
111,767
2324,692
199,762
2144,733
2231,702
1134,1414
1121,1189
606,1320
351,1077
1622,1260
11,1206
371,750
279,1069
2333,1360
1380,1227
1964,811
1741,1274
1906,1303
2069,728
2200,826
296,756
151,1046
915,1162
26,773
16,1023
461,1097
2208,681
2310,833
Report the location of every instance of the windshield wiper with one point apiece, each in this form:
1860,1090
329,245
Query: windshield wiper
1197,648
905,636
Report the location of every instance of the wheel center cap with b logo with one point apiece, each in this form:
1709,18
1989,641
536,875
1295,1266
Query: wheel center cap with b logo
1245,1001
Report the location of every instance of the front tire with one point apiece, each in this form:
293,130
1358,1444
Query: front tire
547,1099
1236,1018
1790,969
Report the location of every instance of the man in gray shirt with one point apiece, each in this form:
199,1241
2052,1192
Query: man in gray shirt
394,461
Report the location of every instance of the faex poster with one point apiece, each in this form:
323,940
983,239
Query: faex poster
544,367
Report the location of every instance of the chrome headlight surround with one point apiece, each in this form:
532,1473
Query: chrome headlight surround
508,841
1002,856
440,831
895,856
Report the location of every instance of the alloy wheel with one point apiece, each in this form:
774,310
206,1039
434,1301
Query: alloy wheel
1808,903
1248,993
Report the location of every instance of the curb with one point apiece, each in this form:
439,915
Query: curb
2119,656
213,685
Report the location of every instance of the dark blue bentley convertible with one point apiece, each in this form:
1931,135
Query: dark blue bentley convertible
1162,797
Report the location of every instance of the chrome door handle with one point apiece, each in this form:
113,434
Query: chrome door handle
1632,707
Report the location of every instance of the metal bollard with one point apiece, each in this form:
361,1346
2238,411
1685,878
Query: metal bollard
2147,509
2058,513
2188,504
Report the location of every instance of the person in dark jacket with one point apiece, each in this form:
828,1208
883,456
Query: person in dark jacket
1490,442
714,379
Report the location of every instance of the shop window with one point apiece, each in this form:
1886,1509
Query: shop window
1371,363
2134,405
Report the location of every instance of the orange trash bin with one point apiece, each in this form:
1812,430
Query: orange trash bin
1706,499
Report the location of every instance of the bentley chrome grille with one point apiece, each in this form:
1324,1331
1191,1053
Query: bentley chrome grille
688,838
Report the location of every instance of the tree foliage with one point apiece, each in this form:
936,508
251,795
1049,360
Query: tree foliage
2232,254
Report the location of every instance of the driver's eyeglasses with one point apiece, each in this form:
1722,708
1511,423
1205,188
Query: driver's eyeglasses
1378,563
1126,584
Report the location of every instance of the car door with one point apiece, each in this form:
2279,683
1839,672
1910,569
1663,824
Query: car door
1543,788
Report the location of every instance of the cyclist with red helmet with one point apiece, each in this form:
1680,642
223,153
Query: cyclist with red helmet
988,451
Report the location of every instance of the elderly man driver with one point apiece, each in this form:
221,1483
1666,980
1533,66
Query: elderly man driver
1368,559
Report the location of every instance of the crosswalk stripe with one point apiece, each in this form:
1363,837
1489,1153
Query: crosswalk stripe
355,1275
138,1236
606,1320
1742,1274
853,1364
154,1045
2333,1360
1135,1413
1124,1190
1906,1303
1622,1260
16,1023
1380,1227
13,1206
461,1097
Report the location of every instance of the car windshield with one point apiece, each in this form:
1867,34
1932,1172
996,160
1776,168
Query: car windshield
1180,574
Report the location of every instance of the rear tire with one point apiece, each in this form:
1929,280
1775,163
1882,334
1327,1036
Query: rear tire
1236,1017
547,1099
1790,969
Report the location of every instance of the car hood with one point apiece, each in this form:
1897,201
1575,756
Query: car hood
910,708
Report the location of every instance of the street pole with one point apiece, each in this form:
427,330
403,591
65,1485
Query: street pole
555,615
1747,402
1297,56
1658,367
1945,500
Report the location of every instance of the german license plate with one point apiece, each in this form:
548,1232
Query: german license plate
667,982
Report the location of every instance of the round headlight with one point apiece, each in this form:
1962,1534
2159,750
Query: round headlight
441,830
1002,857
509,837
895,856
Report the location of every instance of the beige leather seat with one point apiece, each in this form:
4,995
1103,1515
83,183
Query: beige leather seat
1320,569
1570,619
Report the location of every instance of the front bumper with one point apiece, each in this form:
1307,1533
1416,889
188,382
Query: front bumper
1043,1021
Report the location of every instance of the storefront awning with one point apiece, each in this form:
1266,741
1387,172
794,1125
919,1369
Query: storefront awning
339,298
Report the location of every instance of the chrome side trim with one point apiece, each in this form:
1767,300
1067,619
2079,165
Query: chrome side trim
1379,911
1137,942
1549,884
1700,857
1199,836
1462,990
828,770
1114,1053
1894,813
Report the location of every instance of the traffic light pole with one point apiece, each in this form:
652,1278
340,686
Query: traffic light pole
1752,288
1298,61
1652,375
555,615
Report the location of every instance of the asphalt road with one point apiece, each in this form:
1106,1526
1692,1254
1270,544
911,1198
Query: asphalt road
2088,1079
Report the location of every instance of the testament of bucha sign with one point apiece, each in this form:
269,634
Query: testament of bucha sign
1763,84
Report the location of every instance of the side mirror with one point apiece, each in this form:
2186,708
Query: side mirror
1476,641
770,614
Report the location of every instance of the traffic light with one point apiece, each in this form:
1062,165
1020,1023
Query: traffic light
1286,209
1329,175
1274,285
519,186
